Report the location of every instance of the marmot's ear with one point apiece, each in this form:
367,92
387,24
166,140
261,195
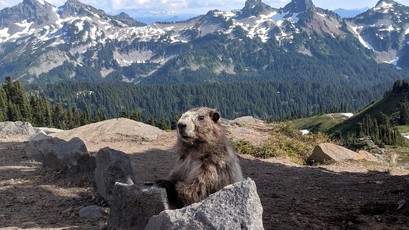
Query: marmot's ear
215,116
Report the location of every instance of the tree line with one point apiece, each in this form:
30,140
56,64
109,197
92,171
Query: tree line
69,105
267,100
16,104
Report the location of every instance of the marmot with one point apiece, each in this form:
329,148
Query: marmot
206,161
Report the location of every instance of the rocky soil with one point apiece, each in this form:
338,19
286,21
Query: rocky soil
345,195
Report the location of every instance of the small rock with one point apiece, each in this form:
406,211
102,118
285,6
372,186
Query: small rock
92,212
401,204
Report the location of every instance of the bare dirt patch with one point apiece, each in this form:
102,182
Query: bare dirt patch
34,198
350,195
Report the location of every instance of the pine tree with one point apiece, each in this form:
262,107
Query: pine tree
123,114
3,105
136,116
22,102
58,117
46,110
86,117
13,113
99,116
18,101
404,113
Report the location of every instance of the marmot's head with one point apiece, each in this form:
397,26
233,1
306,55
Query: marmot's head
199,125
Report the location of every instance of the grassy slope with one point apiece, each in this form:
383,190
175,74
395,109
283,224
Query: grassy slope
388,105
319,123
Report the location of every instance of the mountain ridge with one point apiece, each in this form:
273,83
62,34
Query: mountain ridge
79,42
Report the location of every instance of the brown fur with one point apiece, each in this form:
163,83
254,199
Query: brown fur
206,161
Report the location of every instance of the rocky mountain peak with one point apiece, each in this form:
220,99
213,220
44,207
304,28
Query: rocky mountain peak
35,3
125,18
36,11
384,5
75,7
72,5
254,8
382,2
300,6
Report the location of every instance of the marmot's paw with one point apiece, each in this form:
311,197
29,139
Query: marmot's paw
173,199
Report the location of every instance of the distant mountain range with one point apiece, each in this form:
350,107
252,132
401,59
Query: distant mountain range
344,13
41,44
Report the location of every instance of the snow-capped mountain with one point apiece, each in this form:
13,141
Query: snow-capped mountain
41,43
385,29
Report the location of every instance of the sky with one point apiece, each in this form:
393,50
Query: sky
198,7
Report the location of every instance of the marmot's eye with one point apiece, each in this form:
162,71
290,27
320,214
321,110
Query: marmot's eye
201,118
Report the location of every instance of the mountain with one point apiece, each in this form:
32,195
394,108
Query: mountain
346,13
41,44
162,18
385,30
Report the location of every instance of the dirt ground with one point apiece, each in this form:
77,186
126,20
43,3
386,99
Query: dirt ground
351,195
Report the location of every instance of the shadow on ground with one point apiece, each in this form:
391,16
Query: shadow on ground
35,198
307,197
292,197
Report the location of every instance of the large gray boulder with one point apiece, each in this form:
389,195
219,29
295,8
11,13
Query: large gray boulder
17,130
112,166
68,157
236,206
134,204
328,152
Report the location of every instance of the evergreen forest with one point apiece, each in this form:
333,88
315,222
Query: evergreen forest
70,105
268,100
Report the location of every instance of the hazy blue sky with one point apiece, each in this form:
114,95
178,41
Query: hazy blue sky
200,6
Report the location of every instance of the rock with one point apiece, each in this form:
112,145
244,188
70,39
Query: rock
365,155
246,120
71,158
328,152
92,212
133,205
47,130
120,129
16,130
112,166
236,206
40,136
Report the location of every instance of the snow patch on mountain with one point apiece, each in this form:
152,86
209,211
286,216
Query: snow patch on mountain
361,40
394,62
279,18
41,2
137,56
384,7
4,35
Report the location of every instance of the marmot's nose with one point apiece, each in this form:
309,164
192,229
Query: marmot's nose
181,126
